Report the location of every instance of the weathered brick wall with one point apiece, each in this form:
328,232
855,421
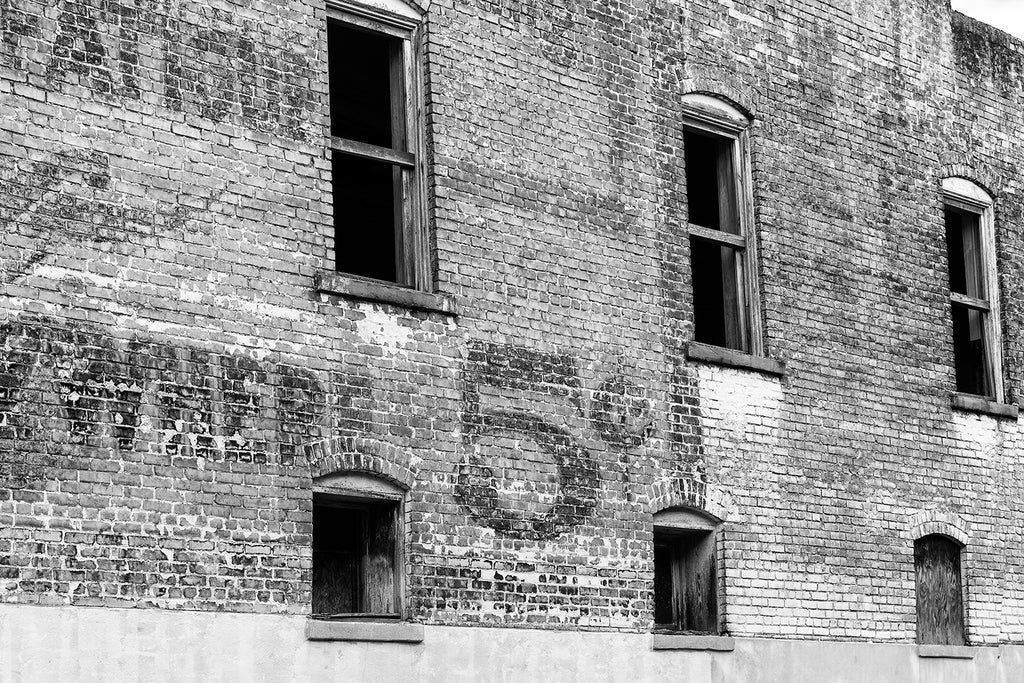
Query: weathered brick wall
170,381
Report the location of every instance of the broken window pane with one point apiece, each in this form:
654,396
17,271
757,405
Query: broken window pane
717,308
972,374
360,82
963,244
940,616
710,181
366,216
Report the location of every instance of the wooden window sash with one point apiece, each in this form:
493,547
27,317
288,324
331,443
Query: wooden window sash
725,239
969,302
989,277
374,152
744,333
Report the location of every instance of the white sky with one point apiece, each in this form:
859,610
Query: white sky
1005,14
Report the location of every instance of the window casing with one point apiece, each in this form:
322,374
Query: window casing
939,588
686,594
720,225
974,287
357,549
376,144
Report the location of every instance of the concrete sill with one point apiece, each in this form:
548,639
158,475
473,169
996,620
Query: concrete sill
680,641
946,651
978,404
365,631
365,289
736,359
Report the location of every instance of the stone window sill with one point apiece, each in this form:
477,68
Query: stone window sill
946,651
364,631
365,289
682,641
978,404
735,359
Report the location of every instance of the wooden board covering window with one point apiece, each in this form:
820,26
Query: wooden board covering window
940,615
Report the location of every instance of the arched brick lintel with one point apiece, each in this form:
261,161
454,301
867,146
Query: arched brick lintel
348,454
939,522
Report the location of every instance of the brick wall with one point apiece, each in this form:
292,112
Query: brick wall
170,381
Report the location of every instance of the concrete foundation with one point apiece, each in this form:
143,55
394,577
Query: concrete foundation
87,644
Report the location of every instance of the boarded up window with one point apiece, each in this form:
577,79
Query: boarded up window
354,557
685,581
940,614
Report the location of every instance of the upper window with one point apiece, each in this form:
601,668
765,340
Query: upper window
685,574
940,612
356,550
376,157
970,245
720,225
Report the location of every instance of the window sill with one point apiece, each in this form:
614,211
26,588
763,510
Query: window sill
680,641
978,404
736,359
364,631
364,289
946,651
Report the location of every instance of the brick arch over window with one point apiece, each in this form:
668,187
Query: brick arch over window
357,454
944,523
979,174
665,494
724,86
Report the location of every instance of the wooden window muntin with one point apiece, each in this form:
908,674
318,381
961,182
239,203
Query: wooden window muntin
939,591
980,306
737,283
404,154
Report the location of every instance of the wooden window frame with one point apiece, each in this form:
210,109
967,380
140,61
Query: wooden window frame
360,491
709,115
676,524
964,195
407,154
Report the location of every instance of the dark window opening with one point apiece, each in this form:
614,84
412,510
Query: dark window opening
717,306
366,216
940,615
710,181
685,581
354,558
360,81
370,159
967,278
963,245
972,375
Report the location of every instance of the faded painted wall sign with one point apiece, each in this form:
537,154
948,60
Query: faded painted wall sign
68,388
524,474
65,200
197,59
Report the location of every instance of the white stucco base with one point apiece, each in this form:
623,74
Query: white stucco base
91,644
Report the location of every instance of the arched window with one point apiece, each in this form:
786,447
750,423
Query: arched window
685,571
974,288
720,206
357,529
940,612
